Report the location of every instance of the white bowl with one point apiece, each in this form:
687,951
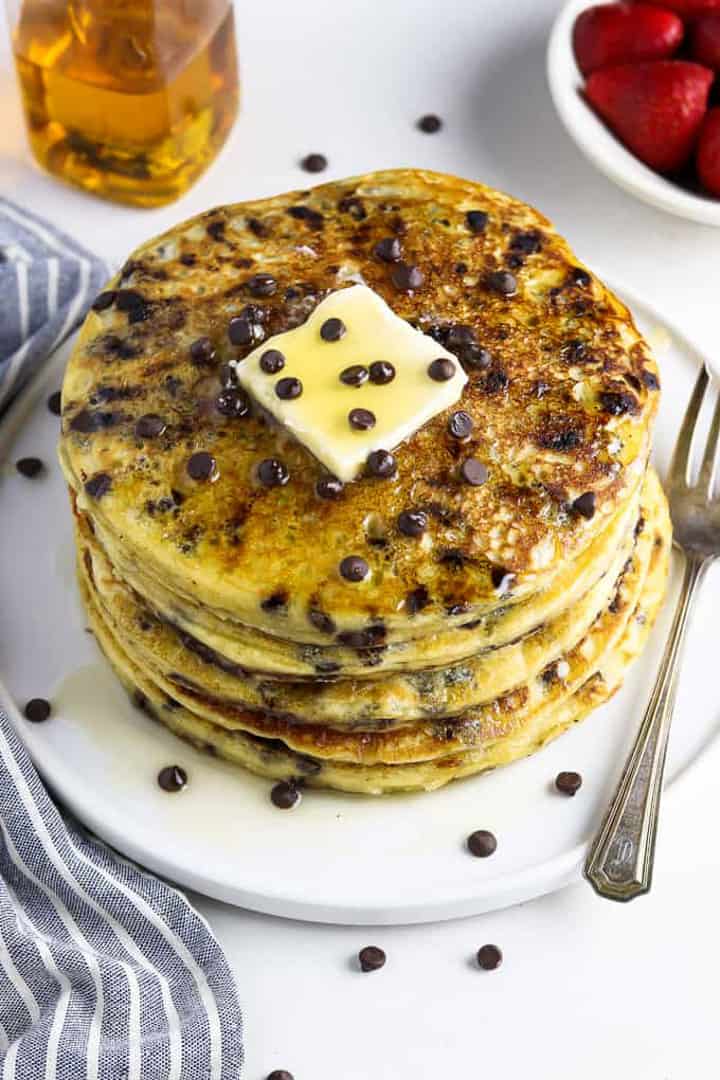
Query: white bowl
599,144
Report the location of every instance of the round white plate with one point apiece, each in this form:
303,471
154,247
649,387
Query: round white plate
599,144
335,858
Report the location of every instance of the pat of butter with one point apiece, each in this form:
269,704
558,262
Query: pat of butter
318,417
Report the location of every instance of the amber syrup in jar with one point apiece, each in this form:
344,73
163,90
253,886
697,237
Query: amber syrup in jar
129,100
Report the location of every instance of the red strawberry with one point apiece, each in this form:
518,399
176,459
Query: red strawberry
708,152
705,41
618,33
655,109
691,7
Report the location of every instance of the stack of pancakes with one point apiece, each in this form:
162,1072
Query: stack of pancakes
491,616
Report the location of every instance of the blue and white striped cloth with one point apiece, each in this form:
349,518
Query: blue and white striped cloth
106,973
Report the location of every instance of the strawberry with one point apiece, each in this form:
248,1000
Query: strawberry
655,109
705,41
708,152
691,7
619,33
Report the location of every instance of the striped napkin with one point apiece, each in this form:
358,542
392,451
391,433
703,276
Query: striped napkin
106,973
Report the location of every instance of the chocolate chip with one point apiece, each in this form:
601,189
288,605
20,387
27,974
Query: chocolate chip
361,419
476,220
417,599
133,303
618,403
285,795
502,282
489,957
475,358
37,710
273,473
272,361
332,330
405,278
495,381
527,243
474,472
578,276
563,440
150,426
482,843
312,218
585,505
172,778
233,402
276,602
98,485
321,621
54,403
350,204
262,285
650,379
459,336
104,300
289,388
441,370
280,1074
381,372
314,163
87,420
575,351
29,466
381,463
460,425
502,579
355,375
569,783
371,958
202,466
202,353
240,331
329,487
389,249
412,522
429,123
353,568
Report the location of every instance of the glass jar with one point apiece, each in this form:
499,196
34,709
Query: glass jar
129,99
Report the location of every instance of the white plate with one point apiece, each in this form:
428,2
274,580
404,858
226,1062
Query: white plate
335,858
599,144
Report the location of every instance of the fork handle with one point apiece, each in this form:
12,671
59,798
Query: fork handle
620,862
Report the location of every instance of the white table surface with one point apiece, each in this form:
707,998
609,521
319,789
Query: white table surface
587,988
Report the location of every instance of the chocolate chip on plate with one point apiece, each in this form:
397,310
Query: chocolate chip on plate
429,124
489,957
460,425
272,361
585,505
232,402
474,472
353,568
381,463
371,958
172,778
412,522
332,330
405,278
476,220
150,426
273,473
329,487
361,419
202,353
37,710
381,372
569,783
29,466
289,388
355,375
314,163
389,249
262,285
54,403
481,843
201,466
98,485
502,282
285,795
441,370
240,331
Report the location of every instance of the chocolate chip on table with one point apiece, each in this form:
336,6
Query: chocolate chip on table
29,466
172,778
54,403
412,522
371,958
474,472
285,795
104,300
460,425
98,485
37,710
273,473
201,466
441,370
240,331
585,505
289,388
569,783
150,426
405,278
476,220
262,285
280,1074
314,163
272,361
381,463
389,249
361,419
332,330
355,375
381,372
489,957
353,568
329,487
233,402
202,353
429,124
482,843
502,282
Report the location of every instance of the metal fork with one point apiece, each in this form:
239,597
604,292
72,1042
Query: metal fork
620,863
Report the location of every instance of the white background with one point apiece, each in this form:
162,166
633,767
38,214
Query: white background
588,989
